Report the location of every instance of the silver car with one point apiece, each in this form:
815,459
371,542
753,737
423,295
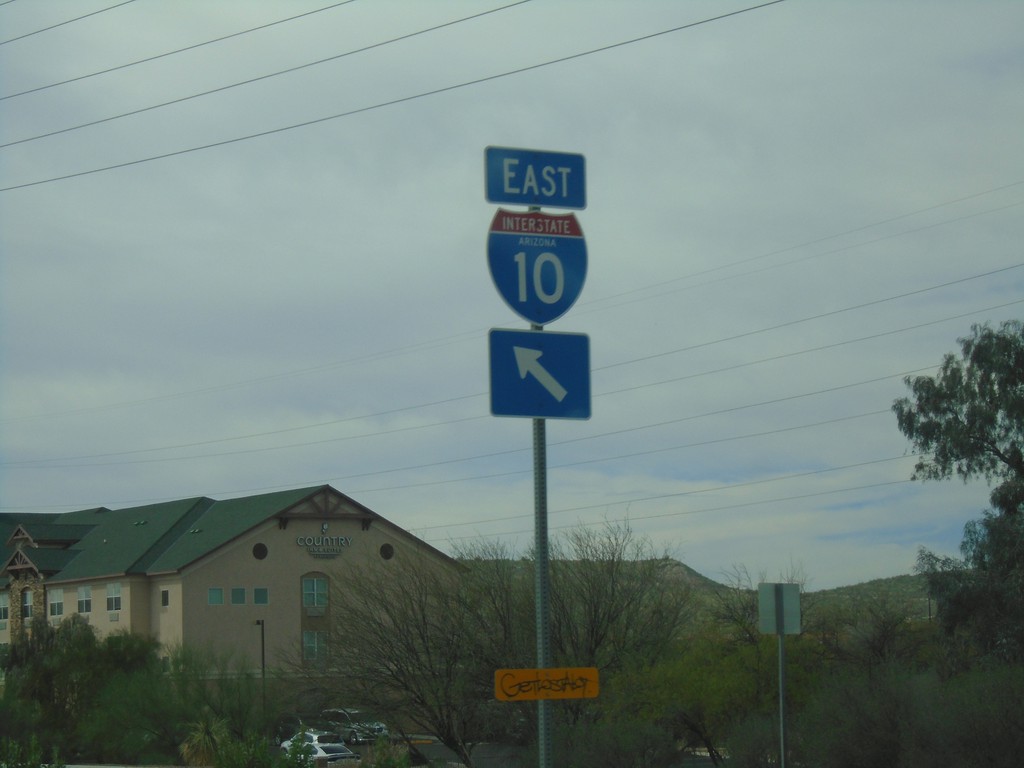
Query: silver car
325,745
357,726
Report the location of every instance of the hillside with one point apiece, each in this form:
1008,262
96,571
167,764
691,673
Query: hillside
896,590
907,590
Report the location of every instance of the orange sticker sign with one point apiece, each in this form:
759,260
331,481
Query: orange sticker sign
534,684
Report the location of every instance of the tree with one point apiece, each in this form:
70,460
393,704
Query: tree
982,595
423,644
968,421
614,600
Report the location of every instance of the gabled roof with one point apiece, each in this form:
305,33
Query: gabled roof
158,538
219,523
120,539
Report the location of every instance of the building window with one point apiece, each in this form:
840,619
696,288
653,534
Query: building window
85,599
260,596
165,598
238,595
56,603
114,597
5,607
314,592
215,596
314,646
26,604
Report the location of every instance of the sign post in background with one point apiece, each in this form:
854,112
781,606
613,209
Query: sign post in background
779,614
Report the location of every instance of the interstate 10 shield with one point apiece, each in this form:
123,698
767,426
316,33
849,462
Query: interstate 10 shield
538,262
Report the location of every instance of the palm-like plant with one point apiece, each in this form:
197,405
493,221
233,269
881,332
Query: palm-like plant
205,737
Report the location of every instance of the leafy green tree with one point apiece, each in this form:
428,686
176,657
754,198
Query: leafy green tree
968,421
981,597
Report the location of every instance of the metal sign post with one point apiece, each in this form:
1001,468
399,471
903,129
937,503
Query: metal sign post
542,579
779,614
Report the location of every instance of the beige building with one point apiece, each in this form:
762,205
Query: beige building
252,575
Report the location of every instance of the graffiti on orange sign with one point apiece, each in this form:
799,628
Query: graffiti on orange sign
533,684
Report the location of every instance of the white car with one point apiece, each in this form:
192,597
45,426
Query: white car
324,744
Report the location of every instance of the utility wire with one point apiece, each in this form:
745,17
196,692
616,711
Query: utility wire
680,494
261,77
170,53
677,513
459,398
798,321
381,105
825,239
469,334
61,24
618,457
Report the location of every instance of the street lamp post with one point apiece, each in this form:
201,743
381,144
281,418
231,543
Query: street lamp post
263,662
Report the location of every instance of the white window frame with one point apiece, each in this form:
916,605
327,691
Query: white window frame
114,597
314,645
85,599
314,591
56,602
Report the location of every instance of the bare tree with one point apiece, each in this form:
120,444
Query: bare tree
423,644
614,599
404,645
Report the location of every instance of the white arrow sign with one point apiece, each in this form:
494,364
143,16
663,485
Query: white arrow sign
528,361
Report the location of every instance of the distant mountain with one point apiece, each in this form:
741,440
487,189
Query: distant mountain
909,590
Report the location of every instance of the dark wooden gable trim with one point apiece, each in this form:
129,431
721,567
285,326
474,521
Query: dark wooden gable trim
20,536
18,564
327,503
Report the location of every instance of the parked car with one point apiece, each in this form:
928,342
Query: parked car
324,745
357,726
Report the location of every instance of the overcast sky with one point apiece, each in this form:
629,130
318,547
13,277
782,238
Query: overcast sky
245,250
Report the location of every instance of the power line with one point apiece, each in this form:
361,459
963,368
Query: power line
63,23
826,238
680,494
469,334
459,398
678,513
170,53
618,457
262,77
495,454
798,321
381,105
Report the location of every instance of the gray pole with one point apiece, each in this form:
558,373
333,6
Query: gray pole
542,578
263,663
780,629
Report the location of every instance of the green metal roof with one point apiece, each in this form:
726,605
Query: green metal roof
149,539
221,522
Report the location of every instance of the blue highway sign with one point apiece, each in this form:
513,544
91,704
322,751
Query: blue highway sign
535,177
538,262
540,374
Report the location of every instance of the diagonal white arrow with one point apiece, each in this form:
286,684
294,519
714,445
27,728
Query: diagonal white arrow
528,361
